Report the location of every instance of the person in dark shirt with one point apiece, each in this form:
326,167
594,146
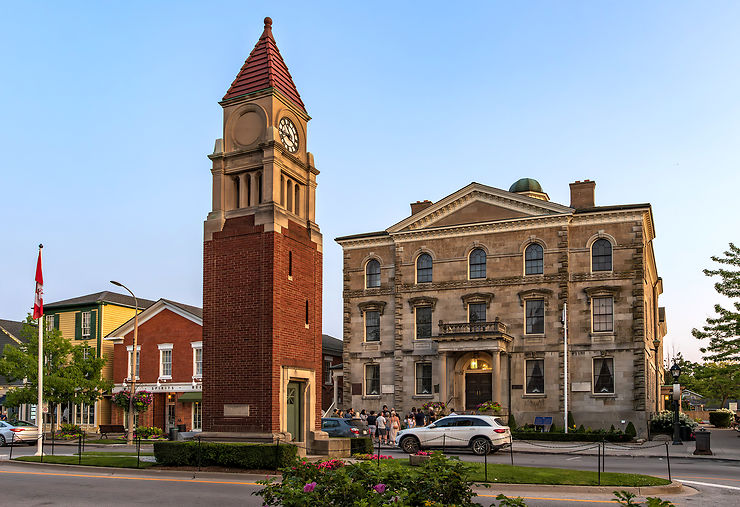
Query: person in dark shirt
371,420
419,417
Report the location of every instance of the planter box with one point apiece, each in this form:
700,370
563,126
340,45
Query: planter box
416,461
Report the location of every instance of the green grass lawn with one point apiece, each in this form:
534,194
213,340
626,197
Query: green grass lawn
531,475
92,461
116,453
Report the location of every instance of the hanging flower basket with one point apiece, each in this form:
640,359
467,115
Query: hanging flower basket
489,407
142,400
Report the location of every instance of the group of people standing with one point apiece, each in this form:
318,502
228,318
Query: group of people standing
384,425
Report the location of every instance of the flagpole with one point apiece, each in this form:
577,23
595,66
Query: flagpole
39,405
565,364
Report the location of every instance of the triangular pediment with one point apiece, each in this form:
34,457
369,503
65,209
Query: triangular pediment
479,203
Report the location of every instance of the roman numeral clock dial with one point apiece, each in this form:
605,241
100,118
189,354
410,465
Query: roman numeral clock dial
288,135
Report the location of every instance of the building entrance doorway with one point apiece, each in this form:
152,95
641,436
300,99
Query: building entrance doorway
477,389
294,404
169,414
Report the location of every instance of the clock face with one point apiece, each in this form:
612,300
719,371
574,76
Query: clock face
288,135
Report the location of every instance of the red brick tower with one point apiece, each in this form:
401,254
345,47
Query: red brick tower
262,262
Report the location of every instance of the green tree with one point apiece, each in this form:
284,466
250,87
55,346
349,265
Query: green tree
723,331
719,381
72,373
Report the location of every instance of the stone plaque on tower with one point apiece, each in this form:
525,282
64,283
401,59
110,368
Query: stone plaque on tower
262,261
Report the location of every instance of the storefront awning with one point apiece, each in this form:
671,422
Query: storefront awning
190,397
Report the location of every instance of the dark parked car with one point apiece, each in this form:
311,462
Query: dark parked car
340,427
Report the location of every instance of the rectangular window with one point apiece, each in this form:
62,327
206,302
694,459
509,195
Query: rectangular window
372,379
197,415
327,372
85,414
86,353
48,323
604,375
131,360
423,378
86,325
476,312
372,326
535,376
535,309
423,322
602,314
198,362
166,363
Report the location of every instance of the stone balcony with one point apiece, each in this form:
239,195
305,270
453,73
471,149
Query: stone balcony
459,336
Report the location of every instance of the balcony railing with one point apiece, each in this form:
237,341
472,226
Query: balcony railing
455,328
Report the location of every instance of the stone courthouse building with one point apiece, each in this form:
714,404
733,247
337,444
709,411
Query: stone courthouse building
462,302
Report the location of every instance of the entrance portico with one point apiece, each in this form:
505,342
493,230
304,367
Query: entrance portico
472,356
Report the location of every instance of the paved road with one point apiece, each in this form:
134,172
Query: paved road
718,482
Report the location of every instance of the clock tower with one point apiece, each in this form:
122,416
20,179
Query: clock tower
262,263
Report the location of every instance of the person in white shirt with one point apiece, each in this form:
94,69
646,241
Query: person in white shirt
381,422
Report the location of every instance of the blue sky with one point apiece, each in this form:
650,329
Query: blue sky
109,110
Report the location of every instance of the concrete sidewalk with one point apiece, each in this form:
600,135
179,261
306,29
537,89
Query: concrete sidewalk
725,445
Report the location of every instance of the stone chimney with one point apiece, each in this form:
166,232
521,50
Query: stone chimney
582,194
419,206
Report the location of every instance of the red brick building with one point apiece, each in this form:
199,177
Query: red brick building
169,364
262,261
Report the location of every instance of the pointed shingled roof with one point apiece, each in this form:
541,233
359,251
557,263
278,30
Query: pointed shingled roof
264,69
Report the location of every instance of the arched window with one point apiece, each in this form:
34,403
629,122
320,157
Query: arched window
372,274
533,260
290,196
298,199
282,190
477,263
259,188
424,268
601,255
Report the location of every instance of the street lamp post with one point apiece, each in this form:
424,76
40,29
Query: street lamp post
676,372
130,434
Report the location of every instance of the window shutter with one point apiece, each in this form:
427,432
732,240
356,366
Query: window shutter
56,321
93,328
78,325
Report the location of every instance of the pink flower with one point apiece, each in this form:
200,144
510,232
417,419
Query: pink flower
309,487
380,488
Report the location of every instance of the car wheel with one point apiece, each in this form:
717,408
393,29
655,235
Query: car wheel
410,445
3,443
480,446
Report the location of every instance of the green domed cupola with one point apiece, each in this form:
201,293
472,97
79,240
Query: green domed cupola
529,187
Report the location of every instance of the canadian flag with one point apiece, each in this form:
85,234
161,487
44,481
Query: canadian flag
38,301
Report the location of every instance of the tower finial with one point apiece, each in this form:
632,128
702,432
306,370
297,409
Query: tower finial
268,28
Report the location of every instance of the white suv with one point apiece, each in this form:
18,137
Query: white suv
480,433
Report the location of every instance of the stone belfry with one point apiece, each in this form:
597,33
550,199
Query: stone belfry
262,262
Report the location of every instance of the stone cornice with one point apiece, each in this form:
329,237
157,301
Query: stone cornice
422,301
476,297
372,305
539,293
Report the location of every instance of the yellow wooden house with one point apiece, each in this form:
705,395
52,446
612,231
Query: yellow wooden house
88,319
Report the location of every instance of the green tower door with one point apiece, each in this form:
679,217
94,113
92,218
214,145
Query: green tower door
294,402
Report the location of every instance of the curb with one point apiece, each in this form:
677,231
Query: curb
672,488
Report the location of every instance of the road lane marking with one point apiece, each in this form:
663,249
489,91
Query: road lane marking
710,478
723,486
169,479
571,459
557,499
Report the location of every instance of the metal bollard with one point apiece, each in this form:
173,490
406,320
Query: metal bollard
12,440
598,466
511,449
668,459
138,451
485,465
79,450
443,443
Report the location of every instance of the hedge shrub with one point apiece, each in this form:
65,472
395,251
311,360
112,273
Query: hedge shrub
663,422
631,430
720,418
511,423
362,445
559,436
238,455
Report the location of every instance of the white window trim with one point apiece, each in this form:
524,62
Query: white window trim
163,347
544,378
364,380
416,334
544,316
591,301
197,346
48,323
614,377
416,392
364,326
129,355
192,416
89,325
328,369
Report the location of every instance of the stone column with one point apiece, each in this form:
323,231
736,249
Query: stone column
443,392
335,378
496,377
243,191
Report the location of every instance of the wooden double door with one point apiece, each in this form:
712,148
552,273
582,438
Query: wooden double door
478,388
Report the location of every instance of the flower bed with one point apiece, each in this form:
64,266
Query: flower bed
370,457
149,433
68,432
